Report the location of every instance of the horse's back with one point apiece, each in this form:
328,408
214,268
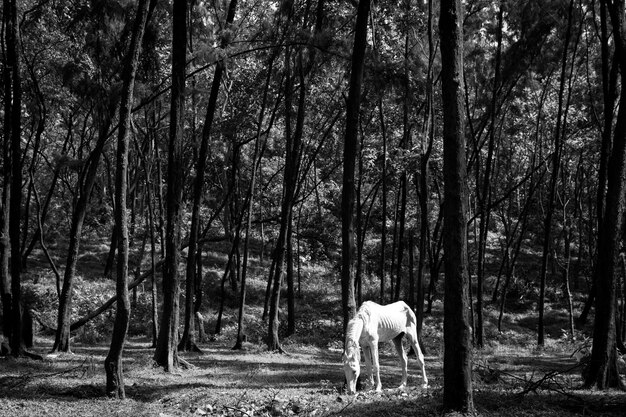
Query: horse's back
391,319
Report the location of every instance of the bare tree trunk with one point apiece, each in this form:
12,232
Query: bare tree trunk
603,371
457,366
290,180
113,361
556,161
5,244
353,105
383,236
187,341
609,87
166,353
485,195
13,132
85,187
249,206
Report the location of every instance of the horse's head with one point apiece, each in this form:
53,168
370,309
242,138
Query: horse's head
351,360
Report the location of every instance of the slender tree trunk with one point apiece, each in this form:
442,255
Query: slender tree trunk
603,371
457,366
9,35
166,353
422,179
187,341
113,361
556,161
609,87
290,180
255,166
383,236
353,105
485,195
85,187
13,134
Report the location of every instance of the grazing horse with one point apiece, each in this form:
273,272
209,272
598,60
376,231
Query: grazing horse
374,323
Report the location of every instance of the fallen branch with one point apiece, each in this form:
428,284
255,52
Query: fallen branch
104,307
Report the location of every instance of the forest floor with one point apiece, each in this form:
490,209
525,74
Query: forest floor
306,381
511,376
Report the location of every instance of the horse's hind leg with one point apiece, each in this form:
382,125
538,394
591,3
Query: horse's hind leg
367,355
376,366
412,337
397,342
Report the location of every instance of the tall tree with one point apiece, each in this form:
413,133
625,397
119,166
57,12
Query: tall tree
166,353
484,199
187,341
603,372
457,361
353,106
556,161
290,180
13,178
113,361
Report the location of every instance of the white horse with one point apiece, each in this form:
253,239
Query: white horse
374,323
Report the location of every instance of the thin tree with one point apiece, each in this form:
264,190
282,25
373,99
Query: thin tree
603,372
353,105
556,161
484,199
457,361
13,201
113,361
187,341
166,352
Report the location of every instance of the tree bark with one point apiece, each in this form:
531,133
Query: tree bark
13,132
113,361
603,371
5,244
187,341
457,367
484,198
290,181
556,161
166,353
353,105
383,235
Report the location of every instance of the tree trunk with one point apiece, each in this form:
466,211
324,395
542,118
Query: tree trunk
290,180
5,244
187,341
457,367
85,186
113,361
383,236
603,371
13,132
484,198
353,105
249,206
166,353
609,87
556,161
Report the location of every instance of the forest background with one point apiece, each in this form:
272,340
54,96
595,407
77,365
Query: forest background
219,141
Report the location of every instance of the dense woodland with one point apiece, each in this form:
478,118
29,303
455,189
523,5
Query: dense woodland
314,132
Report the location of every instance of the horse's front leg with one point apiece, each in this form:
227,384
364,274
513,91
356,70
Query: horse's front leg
397,342
379,385
367,355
